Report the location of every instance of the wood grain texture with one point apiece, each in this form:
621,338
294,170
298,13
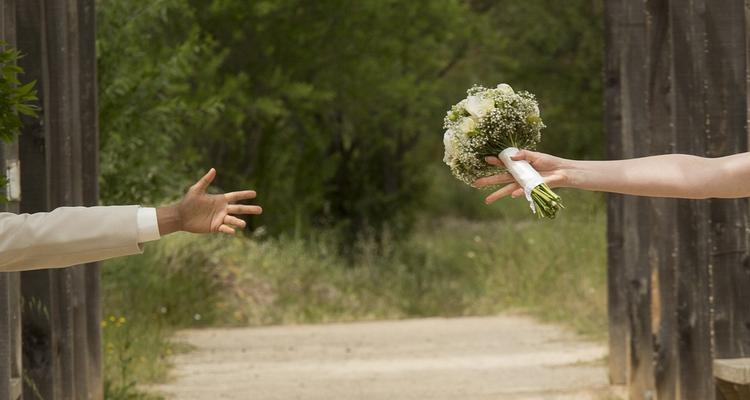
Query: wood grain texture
726,102
663,240
61,333
636,235
11,368
5,343
89,118
39,344
676,79
694,325
616,284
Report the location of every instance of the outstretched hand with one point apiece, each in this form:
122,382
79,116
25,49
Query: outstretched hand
201,212
551,168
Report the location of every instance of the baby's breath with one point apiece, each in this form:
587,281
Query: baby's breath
514,121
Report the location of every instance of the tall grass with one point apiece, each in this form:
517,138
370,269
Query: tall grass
449,266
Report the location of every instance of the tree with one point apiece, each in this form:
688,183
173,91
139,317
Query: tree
330,108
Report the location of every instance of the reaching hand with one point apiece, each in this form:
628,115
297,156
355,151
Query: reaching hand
551,168
201,212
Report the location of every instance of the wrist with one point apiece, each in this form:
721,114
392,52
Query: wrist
169,220
573,172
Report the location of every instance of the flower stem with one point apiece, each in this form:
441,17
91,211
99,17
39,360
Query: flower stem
547,202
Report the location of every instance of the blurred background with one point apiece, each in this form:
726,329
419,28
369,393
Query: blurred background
332,110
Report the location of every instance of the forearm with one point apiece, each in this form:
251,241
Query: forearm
673,175
67,236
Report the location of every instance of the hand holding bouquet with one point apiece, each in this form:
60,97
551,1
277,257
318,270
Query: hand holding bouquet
497,122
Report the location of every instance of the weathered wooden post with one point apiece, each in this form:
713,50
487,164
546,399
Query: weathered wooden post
617,301
677,81
694,326
627,133
10,285
727,127
58,153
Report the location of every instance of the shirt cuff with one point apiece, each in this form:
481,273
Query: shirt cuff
148,225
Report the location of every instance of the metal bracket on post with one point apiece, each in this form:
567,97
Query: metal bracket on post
13,176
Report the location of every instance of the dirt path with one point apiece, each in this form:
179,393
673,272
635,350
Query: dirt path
505,357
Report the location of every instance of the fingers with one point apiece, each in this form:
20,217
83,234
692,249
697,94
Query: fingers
552,180
493,180
204,182
234,197
234,222
527,155
226,229
230,224
242,209
492,160
499,194
521,155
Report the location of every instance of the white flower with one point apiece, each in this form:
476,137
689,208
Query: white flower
478,106
535,111
449,141
467,125
504,88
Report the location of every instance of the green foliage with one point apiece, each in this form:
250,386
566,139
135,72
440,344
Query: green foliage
341,98
555,50
330,109
16,99
176,287
153,62
448,267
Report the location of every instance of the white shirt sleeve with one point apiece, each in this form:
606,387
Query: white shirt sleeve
148,225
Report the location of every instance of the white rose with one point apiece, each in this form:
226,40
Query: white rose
467,125
504,88
478,106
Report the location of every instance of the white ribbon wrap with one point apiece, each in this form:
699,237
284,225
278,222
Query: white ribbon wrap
525,175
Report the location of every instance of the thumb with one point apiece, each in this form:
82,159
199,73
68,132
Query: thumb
205,182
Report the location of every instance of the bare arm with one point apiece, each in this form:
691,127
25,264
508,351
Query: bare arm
672,175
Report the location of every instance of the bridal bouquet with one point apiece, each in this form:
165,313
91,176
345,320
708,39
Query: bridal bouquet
498,122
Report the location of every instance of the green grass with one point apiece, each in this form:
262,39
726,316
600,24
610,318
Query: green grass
503,259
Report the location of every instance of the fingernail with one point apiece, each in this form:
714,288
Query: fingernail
488,159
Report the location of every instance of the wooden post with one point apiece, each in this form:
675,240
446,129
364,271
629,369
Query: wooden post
683,72
726,101
40,345
89,118
61,332
616,284
5,374
11,369
694,326
636,142
662,243
10,307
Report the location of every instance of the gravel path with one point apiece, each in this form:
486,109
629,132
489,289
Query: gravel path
505,357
